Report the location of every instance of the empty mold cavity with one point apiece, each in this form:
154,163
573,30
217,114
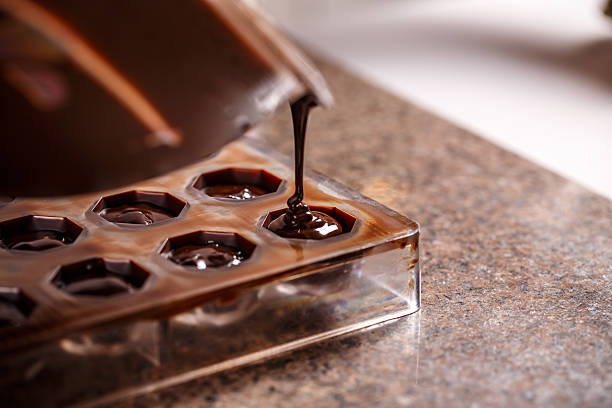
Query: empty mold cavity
15,307
346,221
98,277
139,207
38,233
202,250
237,184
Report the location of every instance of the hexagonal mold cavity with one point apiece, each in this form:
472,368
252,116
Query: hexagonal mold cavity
15,307
98,277
346,221
139,207
38,233
237,184
202,250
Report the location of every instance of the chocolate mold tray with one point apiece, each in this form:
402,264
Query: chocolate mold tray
95,304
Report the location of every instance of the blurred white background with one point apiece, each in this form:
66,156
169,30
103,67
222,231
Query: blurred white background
532,76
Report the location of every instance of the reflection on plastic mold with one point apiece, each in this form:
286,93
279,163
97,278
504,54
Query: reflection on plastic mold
323,283
220,312
141,337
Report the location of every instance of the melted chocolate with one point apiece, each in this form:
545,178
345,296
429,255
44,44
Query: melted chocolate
136,213
209,255
235,192
306,224
37,240
299,221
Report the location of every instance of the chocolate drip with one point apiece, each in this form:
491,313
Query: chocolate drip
299,221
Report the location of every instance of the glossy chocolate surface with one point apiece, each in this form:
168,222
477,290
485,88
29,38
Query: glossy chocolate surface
306,224
210,255
100,277
37,240
235,192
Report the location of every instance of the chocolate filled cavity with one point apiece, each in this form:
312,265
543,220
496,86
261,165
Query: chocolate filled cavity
309,222
38,233
38,240
209,255
305,224
137,207
203,250
99,277
237,183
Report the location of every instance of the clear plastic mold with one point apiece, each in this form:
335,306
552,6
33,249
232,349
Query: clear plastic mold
182,323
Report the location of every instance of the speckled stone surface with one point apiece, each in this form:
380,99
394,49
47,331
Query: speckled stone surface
517,268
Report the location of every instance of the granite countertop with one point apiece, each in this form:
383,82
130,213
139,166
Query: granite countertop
517,263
